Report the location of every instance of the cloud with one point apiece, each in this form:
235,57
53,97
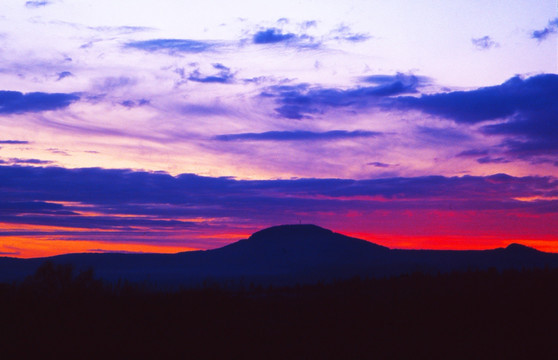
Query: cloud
14,142
28,161
274,36
120,191
344,33
297,135
136,103
172,45
120,29
33,207
413,81
473,153
492,160
379,164
525,107
37,4
297,101
64,74
82,204
14,102
515,96
484,43
441,135
223,76
551,28
205,110
271,36
111,83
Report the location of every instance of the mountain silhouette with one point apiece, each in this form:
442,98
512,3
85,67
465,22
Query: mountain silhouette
285,254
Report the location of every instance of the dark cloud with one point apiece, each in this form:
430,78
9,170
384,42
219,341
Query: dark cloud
551,28
64,74
14,142
473,153
33,207
134,103
172,45
37,4
441,135
148,207
297,101
492,160
28,161
297,135
407,81
272,36
484,43
14,102
114,191
223,76
10,253
379,164
526,109
515,96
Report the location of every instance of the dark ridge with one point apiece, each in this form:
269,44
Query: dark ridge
291,232
284,255
523,249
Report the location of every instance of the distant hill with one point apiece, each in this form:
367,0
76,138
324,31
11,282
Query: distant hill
283,255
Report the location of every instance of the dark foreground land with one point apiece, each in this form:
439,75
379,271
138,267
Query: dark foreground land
57,313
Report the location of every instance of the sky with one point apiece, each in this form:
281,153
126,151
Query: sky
167,126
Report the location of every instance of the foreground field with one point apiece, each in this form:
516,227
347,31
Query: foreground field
482,314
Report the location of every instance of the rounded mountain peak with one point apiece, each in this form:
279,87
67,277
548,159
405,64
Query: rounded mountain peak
298,231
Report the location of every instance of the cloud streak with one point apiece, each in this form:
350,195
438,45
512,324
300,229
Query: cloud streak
14,142
298,135
172,45
37,4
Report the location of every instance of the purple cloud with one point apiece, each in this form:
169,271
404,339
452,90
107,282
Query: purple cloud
297,101
224,75
15,102
29,161
297,135
492,160
379,164
484,43
515,96
172,45
271,36
37,3
551,28
14,142
473,153
64,74
126,191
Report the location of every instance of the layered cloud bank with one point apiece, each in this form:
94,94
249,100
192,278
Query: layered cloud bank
115,207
